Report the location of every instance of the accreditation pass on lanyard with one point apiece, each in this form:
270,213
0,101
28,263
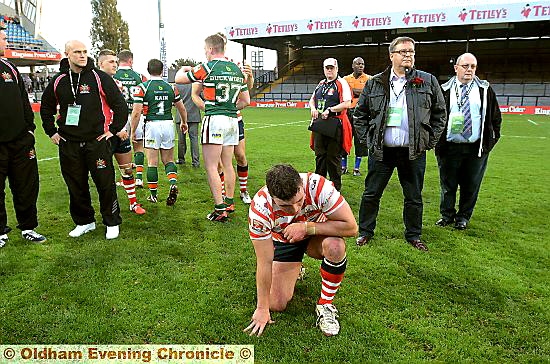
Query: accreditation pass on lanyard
73,111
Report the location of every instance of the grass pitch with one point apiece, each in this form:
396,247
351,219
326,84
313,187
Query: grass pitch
173,277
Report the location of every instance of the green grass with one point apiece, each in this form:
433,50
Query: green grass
173,277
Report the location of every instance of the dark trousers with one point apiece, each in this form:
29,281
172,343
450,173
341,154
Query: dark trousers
460,166
411,178
328,152
18,164
193,133
77,159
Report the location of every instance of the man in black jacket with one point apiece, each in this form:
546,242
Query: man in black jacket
17,154
85,96
472,130
400,114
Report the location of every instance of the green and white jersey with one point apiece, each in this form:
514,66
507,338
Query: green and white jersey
222,81
157,97
130,79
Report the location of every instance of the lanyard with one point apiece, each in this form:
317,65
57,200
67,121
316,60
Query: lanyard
75,93
326,86
400,92
460,101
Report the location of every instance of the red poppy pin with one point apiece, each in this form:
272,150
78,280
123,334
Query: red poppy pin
417,82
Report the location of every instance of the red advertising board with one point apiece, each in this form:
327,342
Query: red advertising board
525,110
37,56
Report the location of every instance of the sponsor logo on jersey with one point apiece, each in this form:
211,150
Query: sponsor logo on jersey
313,184
84,89
32,154
100,163
7,77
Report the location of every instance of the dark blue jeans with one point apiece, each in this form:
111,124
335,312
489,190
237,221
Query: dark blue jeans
411,178
460,166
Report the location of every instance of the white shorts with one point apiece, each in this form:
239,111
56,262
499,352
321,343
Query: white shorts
220,129
159,134
139,129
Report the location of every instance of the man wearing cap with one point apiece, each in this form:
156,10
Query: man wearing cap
400,114
331,98
17,154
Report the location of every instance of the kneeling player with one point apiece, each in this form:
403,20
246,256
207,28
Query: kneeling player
292,215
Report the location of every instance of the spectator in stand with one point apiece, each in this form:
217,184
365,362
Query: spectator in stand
356,81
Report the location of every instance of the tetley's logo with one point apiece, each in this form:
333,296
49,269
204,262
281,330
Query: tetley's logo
7,77
424,18
482,14
238,32
281,28
324,25
535,11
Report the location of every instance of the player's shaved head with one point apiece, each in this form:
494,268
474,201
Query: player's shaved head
74,44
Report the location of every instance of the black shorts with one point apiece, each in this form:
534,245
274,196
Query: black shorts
290,252
119,146
241,129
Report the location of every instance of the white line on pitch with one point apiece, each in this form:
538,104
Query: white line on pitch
284,124
532,122
47,159
524,136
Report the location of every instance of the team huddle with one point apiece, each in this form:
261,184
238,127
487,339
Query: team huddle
94,113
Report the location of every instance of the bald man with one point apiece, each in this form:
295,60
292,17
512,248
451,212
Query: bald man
81,131
471,132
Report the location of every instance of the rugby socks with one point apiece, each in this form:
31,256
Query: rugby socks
130,187
242,172
152,180
139,158
171,172
344,162
222,178
357,163
332,275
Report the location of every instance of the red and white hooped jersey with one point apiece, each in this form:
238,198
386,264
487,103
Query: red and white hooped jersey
267,220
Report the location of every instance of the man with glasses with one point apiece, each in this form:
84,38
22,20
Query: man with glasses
472,130
400,114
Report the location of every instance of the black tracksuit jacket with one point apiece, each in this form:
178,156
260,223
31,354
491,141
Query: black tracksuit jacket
100,99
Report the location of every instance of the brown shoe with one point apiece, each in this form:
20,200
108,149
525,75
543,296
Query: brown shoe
418,245
362,240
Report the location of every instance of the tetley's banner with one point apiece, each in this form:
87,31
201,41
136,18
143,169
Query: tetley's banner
468,15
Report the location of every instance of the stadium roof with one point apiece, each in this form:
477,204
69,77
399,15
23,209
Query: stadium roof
487,21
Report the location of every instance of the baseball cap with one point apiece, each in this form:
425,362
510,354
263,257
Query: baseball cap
330,62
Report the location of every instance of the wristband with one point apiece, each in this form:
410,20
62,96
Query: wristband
310,228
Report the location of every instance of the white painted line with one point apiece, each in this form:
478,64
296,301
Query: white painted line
47,159
274,125
532,122
523,136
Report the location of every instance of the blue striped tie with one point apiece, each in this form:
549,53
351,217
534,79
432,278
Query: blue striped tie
467,131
